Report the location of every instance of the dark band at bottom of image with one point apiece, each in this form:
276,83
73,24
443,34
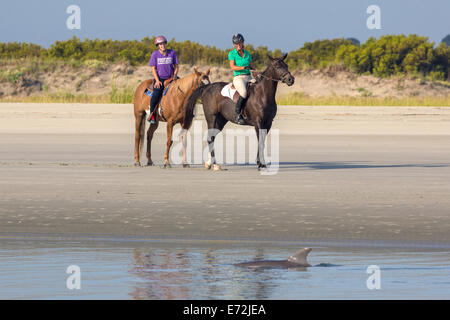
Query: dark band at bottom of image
272,309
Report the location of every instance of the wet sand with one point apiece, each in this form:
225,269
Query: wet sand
347,174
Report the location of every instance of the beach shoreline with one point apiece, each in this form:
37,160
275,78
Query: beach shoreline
375,175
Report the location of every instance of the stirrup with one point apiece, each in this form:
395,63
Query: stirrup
239,119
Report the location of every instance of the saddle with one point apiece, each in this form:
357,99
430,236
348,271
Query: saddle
149,90
229,91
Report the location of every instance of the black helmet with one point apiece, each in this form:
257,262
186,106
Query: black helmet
238,38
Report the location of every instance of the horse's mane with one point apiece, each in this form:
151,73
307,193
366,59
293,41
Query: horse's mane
185,83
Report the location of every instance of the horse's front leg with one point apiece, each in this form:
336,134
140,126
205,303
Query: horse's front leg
212,132
137,140
183,136
261,134
169,144
150,132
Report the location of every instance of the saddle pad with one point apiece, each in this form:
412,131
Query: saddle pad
228,92
149,90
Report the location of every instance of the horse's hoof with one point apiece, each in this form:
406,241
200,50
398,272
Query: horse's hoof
137,164
167,165
186,165
207,165
150,163
262,166
217,167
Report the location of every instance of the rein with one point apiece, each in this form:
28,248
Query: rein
270,78
197,82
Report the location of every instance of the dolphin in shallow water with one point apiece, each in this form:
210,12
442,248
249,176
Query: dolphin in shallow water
297,260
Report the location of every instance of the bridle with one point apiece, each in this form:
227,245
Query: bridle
273,79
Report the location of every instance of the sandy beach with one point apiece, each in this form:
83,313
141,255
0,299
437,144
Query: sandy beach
355,174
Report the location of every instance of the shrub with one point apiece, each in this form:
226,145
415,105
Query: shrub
385,56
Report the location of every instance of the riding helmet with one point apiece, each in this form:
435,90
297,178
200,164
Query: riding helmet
160,39
238,38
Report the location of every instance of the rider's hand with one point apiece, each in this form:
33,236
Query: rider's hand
158,83
175,77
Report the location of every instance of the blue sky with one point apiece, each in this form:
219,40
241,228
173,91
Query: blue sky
273,23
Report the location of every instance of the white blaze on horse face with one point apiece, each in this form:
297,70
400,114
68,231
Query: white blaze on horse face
205,81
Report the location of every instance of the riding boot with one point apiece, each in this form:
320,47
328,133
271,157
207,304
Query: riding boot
151,116
239,106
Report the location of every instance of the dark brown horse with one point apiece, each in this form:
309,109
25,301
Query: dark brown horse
172,111
259,110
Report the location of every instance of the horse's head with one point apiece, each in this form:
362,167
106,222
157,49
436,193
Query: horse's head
280,70
201,78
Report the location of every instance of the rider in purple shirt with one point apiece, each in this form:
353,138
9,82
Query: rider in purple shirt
164,63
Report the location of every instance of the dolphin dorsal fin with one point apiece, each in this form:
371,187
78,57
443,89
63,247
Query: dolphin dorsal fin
300,256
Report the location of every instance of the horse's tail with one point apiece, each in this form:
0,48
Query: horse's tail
189,107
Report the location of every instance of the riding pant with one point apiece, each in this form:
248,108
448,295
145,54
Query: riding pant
156,96
240,83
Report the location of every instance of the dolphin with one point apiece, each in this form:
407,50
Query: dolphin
297,260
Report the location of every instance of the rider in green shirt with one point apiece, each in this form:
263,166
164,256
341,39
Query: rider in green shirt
241,64
239,61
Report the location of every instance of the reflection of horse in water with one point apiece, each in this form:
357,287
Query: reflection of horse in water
162,274
173,274
259,110
170,110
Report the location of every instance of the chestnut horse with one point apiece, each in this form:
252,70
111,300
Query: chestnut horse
172,112
259,111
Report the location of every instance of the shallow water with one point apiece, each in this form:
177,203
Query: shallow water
204,270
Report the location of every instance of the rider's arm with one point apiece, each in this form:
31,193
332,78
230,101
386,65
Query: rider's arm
175,64
155,75
233,66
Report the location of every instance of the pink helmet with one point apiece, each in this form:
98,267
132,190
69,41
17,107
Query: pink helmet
160,39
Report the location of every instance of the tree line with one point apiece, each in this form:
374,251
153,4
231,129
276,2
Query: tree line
385,56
